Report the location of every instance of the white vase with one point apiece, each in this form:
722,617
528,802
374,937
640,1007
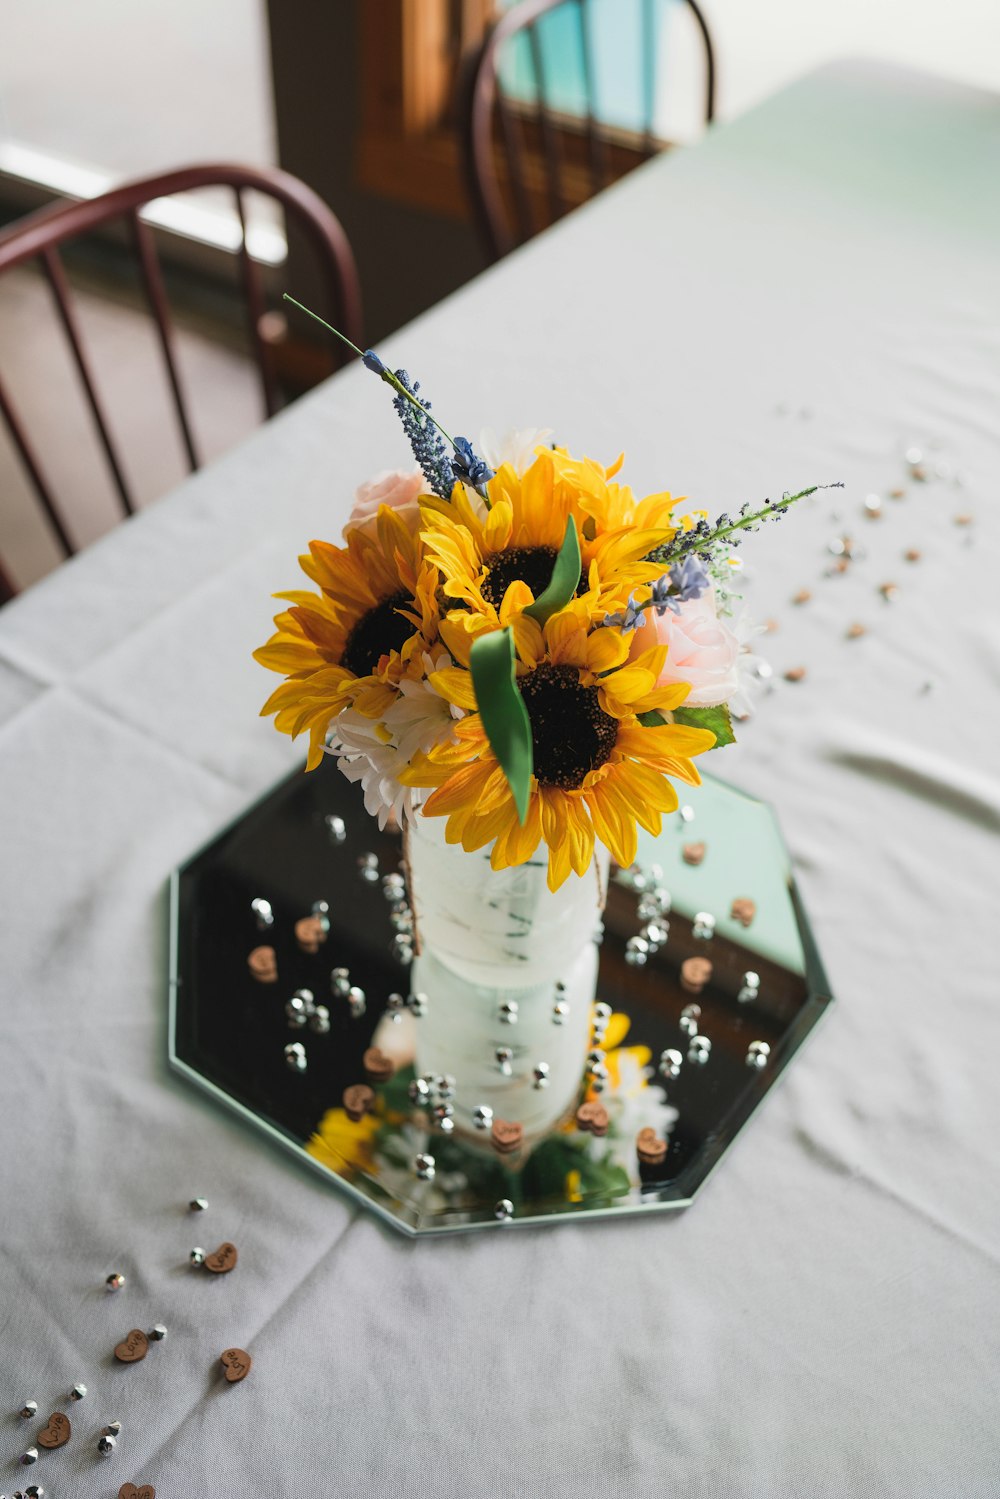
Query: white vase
491,939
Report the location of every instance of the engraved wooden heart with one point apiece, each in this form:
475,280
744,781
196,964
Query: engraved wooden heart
223,1260
133,1348
594,1117
649,1146
358,1101
236,1362
263,964
693,853
377,1064
506,1135
56,1432
311,933
144,1491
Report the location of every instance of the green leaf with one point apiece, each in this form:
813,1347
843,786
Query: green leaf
502,710
653,719
715,719
564,581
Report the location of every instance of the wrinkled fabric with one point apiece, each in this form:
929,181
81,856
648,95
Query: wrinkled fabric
798,300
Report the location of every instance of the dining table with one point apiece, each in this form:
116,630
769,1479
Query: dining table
808,296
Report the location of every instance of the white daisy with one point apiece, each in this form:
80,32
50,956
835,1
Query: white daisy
516,446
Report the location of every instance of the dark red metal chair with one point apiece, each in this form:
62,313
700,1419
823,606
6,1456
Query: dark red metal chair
40,235
515,154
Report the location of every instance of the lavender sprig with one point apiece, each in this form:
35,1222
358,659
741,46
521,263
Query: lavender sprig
427,444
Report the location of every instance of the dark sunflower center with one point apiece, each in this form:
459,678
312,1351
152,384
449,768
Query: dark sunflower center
531,565
570,730
376,633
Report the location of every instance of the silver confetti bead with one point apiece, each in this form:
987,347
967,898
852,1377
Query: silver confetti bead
443,1086
636,952
690,1015
401,919
482,1116
336,828
198,1204
595,1056
295,1012
504,1058
757,1054
402,949
319,1021
115,1281
655,933
308,999
704,926
541,1074
157,1333
417,1004
671,1062
197,1257
749,987
263,915
106,1444
394,1007
560,1011
423,1165
442,1111
368,868
699,1048
78,1392
28,1410
33,1491
507,1013
394,887
113,1429
356,1001
446,1125
504,1210
419,1092
340,983
295,1057
30,1456
321,911
686,814
602,1012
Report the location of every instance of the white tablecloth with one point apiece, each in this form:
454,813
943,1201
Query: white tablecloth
797,300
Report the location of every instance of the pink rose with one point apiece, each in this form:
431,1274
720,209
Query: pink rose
701,649
394,488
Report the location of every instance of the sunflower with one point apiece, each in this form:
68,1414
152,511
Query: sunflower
481,552
597,770
359,637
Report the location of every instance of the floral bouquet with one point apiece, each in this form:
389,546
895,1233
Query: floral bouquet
510,640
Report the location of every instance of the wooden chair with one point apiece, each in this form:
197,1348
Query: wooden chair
527,166
40,235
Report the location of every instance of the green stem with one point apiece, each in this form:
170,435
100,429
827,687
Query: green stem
385,374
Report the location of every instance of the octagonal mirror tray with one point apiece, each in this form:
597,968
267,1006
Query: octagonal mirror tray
295,892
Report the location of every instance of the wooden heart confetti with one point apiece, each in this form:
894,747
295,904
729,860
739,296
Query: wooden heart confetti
650,1149
695,974
133,1348
236,1362
693,853
593,1117
743,910
223,1259
144,1491
56,1432
506,1135
358,1101
263,965
795,674
311,933
378,1066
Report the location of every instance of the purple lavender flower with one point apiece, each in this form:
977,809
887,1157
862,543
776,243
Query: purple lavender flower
689,577
629,620
469,468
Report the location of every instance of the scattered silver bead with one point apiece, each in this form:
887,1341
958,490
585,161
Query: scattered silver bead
356,1001
113,1429
28,1410
873,505
671,1062
636,952
749,987
757,1054
336,828
30,1456
482,1116
560,1010
394,1007
116,1281
647,909
602,1011
690,1015
368,868
504,1057
197,1257
914,456
340,983
443,1086
417,1004
446,1125
295,1057
655,934
198,1204
319,1021
33,1491
394,888
78,1392
157,1333
106,1445
442,1111
704,926
598,937
295,1012
504,1210
686,814
507,1013
763,670
598,1075
402,949
263,915
321,910
698,1049
419,1093
423,1165
541,1075
401,919
595,1056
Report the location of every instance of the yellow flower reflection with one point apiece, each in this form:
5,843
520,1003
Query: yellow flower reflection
344,1145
